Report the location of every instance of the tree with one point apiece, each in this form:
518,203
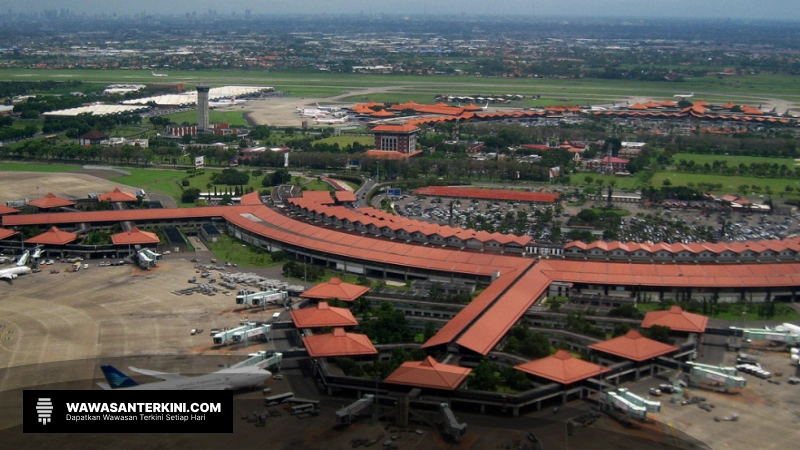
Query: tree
484,377
620,329
658,333
190,195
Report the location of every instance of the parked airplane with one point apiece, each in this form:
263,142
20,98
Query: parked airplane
20,269
225,102
485,107
684,95
226,379
320,119
310,112
328,108
789,328
159,74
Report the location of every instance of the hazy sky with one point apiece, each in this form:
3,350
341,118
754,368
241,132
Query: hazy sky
735,9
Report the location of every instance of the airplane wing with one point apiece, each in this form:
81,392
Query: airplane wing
6,276
104,386
160,375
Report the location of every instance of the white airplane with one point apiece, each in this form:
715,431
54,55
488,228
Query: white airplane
331,121
159,75
226,379
225,102
20,269
788,328
684,95
328,108
310,112
485,107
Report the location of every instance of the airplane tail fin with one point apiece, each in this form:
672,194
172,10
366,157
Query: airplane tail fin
117,379
23,260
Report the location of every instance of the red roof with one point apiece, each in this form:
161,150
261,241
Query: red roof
562,367
338,343
323,316
321,197
336,288
251,199
395,128
677,320
134,236
50,201
472,108
345,196
7,210
5,233
117,196
53,236
382,113
495,194
633,346
429,374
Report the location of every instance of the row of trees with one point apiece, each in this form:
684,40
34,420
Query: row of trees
761,170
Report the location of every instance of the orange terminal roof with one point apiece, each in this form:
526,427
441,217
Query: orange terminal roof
429,374
53,236
487,330
345,196
495,194
7,210
323,315
50,201
5,233
336,288
677,320
634,346
338,343
134,236
117,196
562,368
321,197
382,113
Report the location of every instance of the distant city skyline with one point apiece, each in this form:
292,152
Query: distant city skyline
702,9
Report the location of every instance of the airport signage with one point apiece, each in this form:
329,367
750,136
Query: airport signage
127,411
199,162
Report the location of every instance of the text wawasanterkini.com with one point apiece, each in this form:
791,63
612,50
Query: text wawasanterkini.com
140,411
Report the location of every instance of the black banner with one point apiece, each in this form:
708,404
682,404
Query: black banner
127,411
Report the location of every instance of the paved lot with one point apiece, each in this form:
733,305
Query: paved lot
33,185
58,328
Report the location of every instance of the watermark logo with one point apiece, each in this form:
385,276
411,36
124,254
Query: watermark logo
44,409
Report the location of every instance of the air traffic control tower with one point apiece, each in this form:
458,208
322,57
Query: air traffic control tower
202,108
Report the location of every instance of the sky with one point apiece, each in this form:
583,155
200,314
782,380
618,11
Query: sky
717,9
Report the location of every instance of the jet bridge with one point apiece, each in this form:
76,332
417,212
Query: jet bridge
247,332
719,376
633,405
245,297
451,427
261,359
346,415
760,334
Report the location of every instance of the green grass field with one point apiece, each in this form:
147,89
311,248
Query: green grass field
230,250
729,184
233,118
731,160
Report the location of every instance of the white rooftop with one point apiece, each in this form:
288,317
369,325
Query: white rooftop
97,110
